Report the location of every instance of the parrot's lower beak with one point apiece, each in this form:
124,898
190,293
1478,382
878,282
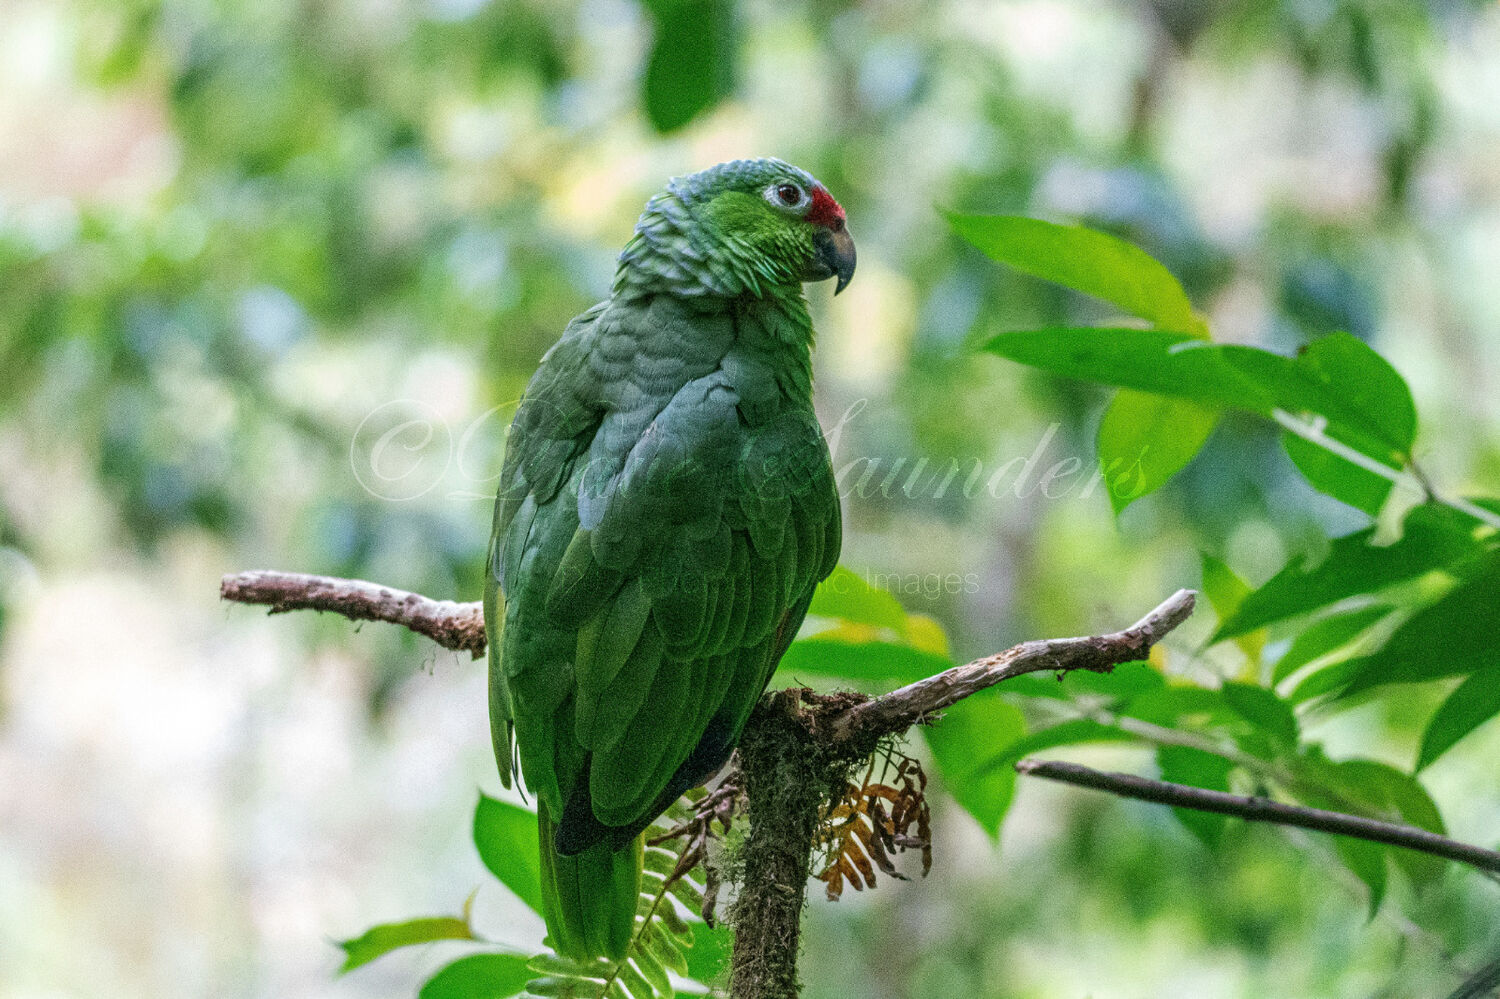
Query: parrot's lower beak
833,254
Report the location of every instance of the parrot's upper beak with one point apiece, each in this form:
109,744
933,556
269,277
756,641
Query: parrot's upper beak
833,254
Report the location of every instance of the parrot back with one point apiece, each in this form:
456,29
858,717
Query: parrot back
666,508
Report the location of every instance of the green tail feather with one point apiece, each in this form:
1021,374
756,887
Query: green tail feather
589,900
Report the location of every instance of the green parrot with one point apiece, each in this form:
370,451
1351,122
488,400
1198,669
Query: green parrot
666,507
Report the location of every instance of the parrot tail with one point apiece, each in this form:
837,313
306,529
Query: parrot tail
589,899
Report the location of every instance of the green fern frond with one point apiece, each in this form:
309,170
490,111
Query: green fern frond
660,944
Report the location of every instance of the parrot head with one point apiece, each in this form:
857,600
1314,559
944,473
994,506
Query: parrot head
743,226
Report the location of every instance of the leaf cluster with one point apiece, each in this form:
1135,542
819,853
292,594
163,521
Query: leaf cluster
1409,599
670,939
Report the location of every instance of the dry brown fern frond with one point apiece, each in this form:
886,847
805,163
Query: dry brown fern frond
872,822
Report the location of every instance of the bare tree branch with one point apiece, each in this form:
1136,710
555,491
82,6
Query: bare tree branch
1255,809
790,752
460,626
902,708
794,735
455,626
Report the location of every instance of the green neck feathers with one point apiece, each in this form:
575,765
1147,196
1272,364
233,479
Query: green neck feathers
711,234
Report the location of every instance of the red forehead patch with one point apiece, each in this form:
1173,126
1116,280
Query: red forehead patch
824,210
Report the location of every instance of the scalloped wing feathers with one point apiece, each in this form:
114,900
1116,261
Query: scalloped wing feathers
666,508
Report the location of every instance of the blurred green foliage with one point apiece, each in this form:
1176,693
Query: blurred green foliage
1234,732
344,222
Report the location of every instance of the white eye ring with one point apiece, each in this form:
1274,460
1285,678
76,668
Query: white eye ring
778,193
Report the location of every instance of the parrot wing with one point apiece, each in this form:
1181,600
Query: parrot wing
672,586
687,579
553,427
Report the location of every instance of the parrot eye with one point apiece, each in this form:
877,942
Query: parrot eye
786,196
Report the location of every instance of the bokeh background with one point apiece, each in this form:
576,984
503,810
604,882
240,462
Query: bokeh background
273,272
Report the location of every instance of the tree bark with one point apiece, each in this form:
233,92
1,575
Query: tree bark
785,789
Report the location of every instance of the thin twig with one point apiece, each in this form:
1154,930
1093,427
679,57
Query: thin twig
902,708
1410,479
1483,983
460,626
455,626
1254,809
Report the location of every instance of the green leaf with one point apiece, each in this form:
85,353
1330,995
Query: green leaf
653,970
691,64
962,742
1226,376
382,939
664,948
1352,566
1383,428
1376,790
1085,260
507,839
1453,636
1222,585
845,595
1127,679
1263,709
1226,591
1377,420
1391,793
710,952
1331,679
869,662
1334,476
1402,794
1368,387
1174,706
1338,786
1490,503
1367,861
1472,703
1194,767
1068,733
564,967
1325,636
479,976
1158,361
1145,439
634,982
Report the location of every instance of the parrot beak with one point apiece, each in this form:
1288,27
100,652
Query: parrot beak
833,255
